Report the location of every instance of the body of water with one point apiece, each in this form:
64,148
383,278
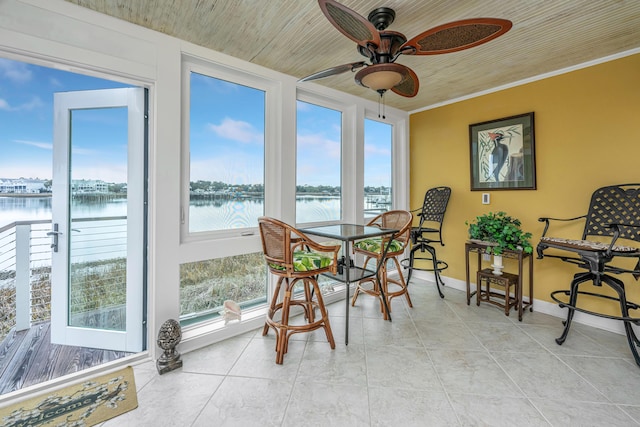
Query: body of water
204,215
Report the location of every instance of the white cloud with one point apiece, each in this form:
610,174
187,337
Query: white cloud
107,172
40,168
370,149
49,146
43,145
17,72
318,144
230,169
303,106
27,106
237,130
55,82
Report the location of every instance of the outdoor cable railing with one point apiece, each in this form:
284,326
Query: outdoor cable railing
25,264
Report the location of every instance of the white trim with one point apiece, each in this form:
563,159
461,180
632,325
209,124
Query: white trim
531,79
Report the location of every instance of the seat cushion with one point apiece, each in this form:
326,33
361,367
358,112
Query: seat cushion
306,261
374,244
588,245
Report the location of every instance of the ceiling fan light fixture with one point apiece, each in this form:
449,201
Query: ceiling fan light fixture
381,76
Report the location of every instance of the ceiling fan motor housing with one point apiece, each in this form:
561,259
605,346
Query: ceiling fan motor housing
382,17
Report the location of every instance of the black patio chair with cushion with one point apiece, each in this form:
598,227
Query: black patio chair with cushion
294,258
428,232
611,231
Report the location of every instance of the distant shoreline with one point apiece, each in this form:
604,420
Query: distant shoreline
25,194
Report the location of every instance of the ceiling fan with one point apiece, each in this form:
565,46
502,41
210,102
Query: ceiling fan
382,47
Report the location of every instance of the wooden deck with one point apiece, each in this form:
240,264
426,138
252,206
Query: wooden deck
28,358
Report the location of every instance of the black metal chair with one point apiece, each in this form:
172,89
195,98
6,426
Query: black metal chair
614,213
429,231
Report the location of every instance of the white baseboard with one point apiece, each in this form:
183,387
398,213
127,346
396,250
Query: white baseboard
540,306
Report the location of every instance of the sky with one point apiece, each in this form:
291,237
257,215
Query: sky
227,127
26,125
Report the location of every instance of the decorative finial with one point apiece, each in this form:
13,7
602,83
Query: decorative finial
169,337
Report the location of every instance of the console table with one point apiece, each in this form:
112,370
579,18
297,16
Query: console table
481,248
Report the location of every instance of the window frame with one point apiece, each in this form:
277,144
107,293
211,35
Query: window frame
342,109
270,88
399,157
368,217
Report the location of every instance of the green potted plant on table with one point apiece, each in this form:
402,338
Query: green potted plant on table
499,232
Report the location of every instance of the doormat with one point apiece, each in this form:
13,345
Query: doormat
80,405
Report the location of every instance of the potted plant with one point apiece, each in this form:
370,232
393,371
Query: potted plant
500,232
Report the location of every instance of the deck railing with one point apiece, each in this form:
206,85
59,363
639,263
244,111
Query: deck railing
25,265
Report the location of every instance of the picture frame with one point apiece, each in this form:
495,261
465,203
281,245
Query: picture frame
503,154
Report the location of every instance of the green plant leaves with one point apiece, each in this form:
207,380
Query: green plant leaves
501,229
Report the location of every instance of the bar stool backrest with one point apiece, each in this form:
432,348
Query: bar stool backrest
618,204
434,207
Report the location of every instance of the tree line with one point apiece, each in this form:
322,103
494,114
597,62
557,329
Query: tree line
218,186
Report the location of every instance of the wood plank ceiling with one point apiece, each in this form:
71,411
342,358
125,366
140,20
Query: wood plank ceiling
294,37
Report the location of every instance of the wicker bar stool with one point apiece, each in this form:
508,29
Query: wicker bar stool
375,249
294,259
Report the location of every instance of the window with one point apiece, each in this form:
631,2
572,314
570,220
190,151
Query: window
205,285
378,143
226,152
318,186
223,190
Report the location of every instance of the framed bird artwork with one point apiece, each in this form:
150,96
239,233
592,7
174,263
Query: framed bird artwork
503,154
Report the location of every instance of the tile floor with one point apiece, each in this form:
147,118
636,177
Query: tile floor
440,363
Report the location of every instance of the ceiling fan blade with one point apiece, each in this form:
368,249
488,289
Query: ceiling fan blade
457,35
409,86
350,23
333,71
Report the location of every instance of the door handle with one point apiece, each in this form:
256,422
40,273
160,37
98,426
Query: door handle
54,233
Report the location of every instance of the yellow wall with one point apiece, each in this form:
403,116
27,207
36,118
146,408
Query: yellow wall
587,135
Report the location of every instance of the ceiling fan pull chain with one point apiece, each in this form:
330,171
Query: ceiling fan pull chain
381,102
384,108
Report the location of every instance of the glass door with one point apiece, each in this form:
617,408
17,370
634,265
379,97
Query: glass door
98,239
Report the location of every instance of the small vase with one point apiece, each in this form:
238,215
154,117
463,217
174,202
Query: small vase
497,265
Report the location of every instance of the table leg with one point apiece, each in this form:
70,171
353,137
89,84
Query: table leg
519,292
468,283
530,283
347,284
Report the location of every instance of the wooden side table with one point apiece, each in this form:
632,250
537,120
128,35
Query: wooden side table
479,249
506,281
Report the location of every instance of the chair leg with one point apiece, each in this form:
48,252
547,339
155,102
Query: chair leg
355,295
325,315
573,297
411,260
436,271
357,289
272,306
383,288
283,331
308,305
422,247
618,286
403,284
